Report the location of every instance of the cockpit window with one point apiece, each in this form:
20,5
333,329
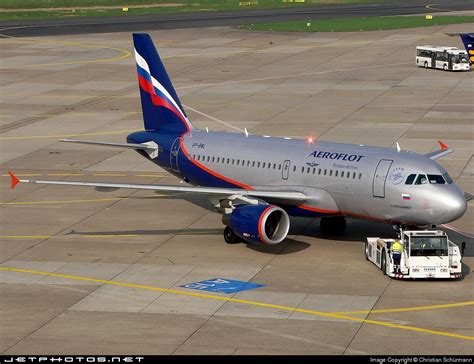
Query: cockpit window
436,179
421,180
410,179
448,178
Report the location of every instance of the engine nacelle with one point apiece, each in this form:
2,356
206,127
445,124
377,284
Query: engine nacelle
260,224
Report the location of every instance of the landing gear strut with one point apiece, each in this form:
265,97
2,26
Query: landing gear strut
230,237
333,225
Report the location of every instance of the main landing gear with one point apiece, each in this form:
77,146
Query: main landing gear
333,225
230,237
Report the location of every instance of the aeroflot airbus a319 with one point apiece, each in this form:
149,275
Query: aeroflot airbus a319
256,182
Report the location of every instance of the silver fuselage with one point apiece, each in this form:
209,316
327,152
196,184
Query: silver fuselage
351,180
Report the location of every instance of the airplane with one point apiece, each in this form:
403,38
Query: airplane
468,41
256,182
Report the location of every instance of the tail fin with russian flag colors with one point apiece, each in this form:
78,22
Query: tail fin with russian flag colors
468,40
162,110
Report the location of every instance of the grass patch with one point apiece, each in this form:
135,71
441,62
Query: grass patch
359,24
43,8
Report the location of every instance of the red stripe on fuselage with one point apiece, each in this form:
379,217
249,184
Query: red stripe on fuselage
315,209
260,233
210,171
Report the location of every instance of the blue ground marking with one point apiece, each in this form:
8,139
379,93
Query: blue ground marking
222,285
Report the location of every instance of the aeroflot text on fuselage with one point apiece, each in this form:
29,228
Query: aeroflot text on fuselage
337,156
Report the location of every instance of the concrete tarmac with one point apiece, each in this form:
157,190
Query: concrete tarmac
102,272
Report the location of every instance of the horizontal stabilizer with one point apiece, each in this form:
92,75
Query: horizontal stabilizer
444,151
150,147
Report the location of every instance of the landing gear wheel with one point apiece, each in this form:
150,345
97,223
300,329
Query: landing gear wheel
230,237
333,225
383,264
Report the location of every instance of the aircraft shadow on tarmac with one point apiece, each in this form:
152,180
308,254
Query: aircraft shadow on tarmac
357,230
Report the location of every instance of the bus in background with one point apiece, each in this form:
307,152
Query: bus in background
468,41
445,58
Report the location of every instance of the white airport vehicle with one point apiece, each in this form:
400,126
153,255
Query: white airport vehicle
426,254
445,58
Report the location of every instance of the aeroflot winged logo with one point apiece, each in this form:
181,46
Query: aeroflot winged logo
337,156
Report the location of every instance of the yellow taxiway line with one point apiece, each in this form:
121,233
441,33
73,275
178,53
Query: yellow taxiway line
408,309
70,135
246,302
123,52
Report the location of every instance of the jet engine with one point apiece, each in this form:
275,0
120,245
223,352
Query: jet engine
259,224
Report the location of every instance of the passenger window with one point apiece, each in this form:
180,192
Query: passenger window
233,160
337,172
228,160
330,173
274,165
238,161
208,158
253,164
421,180
354,175
248,163
360,175
325,171
436,179
258,165
213,159
314,170
410,179
302,169
279,167
319,170
263,165
307,170
294,168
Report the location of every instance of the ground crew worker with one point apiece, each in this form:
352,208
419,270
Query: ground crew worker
397,249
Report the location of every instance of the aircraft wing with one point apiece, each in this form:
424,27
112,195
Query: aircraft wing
444,151
285,197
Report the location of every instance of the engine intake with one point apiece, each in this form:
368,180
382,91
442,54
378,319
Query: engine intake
260,224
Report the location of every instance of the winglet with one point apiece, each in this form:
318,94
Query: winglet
15,180
442,145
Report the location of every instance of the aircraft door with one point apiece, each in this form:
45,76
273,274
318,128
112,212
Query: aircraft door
380,176
174,154
286,169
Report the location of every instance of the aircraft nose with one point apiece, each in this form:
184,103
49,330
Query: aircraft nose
456,205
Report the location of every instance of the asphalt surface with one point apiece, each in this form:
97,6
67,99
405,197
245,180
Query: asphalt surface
85,25
87,271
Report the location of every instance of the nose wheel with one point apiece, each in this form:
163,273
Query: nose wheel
230,237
